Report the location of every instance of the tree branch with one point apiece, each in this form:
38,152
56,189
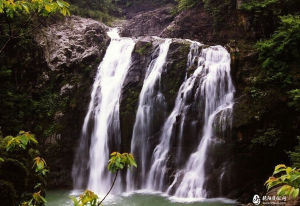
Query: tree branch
110,188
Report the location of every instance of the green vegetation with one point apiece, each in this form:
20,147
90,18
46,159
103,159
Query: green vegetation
295,155
268,138
261,11
219,10
144,49
116,163
276,75
280,54
186,4
19,18
22,171
13,8
287,178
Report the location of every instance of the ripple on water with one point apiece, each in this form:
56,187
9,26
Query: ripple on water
138,198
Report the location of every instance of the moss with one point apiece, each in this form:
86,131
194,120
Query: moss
176,69
128,109
144,49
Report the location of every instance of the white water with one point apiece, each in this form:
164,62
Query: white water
149,98
217,90
103,113
211,81
156,178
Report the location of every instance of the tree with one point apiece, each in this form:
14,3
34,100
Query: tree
20,163
18,16
116,163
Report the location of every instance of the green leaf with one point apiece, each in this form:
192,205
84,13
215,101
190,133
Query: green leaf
75,201
289,170
48,8
284,190
294,193
278,171
26,8
279,167
60,3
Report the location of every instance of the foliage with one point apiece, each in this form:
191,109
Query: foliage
269,138
96,9
40,166
92,13
278,53
261,11
288,178
119,161
295,155
37,199
18,17
219,10
8,194
284,43
25,177
295,96
12,8
186,4
116,163
21,141
88,198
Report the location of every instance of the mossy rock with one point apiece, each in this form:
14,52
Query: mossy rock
175,71
16,173
8,193
143,48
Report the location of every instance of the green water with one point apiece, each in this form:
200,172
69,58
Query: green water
61,198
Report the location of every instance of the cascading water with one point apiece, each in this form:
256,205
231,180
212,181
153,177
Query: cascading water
217,92
158,169
149,98
103,116
207,91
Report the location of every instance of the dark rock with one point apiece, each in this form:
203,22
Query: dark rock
150,23
132,86
198,24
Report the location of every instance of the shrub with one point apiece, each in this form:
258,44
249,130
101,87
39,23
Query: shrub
288,178
7,194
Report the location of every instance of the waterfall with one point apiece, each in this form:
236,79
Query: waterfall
149,98
158,136
103,117
217,91
156,179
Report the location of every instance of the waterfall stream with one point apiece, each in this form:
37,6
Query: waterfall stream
217,91
103,113
150,97
206,90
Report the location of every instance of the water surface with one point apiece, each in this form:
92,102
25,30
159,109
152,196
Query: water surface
61,198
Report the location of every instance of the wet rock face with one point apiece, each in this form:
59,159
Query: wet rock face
150,23
74,40
132,86
72,49
173,75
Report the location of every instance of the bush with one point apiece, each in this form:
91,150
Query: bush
16,173
288,178
7,194
280,54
